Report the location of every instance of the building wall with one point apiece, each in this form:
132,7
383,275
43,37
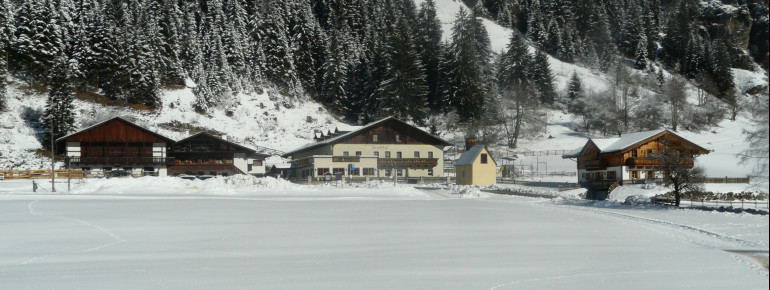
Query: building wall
328,163
322,150
259,168
73,149
477,173
240,161
407,151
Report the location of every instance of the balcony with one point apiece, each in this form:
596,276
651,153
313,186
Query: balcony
120,160
596,164
401,162
652,162
346,158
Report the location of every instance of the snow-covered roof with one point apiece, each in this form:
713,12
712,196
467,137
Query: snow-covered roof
353,133
607,145
627,140
209,135
470,155
60,139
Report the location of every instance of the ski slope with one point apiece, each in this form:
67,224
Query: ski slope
264,234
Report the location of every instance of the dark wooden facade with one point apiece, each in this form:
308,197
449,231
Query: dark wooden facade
204,153
117,142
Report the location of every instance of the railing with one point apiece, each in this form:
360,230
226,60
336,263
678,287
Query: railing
596,164
120,160
652,162
346,159
39,174
385,162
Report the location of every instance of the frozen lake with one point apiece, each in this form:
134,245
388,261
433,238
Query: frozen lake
365,238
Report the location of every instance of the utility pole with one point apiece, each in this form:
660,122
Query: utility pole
53,161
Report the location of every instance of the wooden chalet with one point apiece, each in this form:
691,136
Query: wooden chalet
206,154
382,149
117,144
628,159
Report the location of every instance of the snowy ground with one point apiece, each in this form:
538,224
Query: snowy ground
267,234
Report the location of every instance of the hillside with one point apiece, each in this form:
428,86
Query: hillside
271,119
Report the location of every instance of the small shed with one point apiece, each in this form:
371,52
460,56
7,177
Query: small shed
476,167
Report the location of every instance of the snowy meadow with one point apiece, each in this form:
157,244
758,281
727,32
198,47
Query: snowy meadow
243,232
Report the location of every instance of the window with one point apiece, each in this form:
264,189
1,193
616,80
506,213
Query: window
387,154
322,171
400,172
257,162
218,161
463,173
634,174
338,170
376,153
213,173
249,167
356,171
416,154
611,175
430,172
374,138
398,155
398,138
430,154
483,158
634,153
650,174
358,153
346,153
387,172
649,152
369,171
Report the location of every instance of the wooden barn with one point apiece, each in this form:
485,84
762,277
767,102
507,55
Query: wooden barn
117,144
206,154
628,159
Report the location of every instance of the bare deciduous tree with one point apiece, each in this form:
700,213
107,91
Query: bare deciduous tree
676,171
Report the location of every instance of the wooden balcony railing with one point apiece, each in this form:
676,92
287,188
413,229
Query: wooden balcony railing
596,164
652,162
346,159
386,162
120,160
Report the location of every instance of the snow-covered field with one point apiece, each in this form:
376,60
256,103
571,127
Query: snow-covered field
243,232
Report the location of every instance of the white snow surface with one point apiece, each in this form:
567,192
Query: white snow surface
245,232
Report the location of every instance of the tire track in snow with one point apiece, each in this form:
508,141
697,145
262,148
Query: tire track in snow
681,227
116,239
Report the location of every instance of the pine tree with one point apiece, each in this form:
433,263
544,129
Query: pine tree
403,92
39,38
469,71
59,116
543,78
722,72
5,17
278,65
640,62
429,46
307,46
575,88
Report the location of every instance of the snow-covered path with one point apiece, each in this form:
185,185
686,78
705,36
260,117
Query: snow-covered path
407,241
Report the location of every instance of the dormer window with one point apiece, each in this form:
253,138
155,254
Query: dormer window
398,138
374,138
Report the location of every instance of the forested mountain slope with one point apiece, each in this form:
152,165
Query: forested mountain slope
270,72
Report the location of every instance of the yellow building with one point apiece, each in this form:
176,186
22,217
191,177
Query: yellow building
476,167
380,149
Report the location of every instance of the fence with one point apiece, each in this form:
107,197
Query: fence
346,179
39,174
726,180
